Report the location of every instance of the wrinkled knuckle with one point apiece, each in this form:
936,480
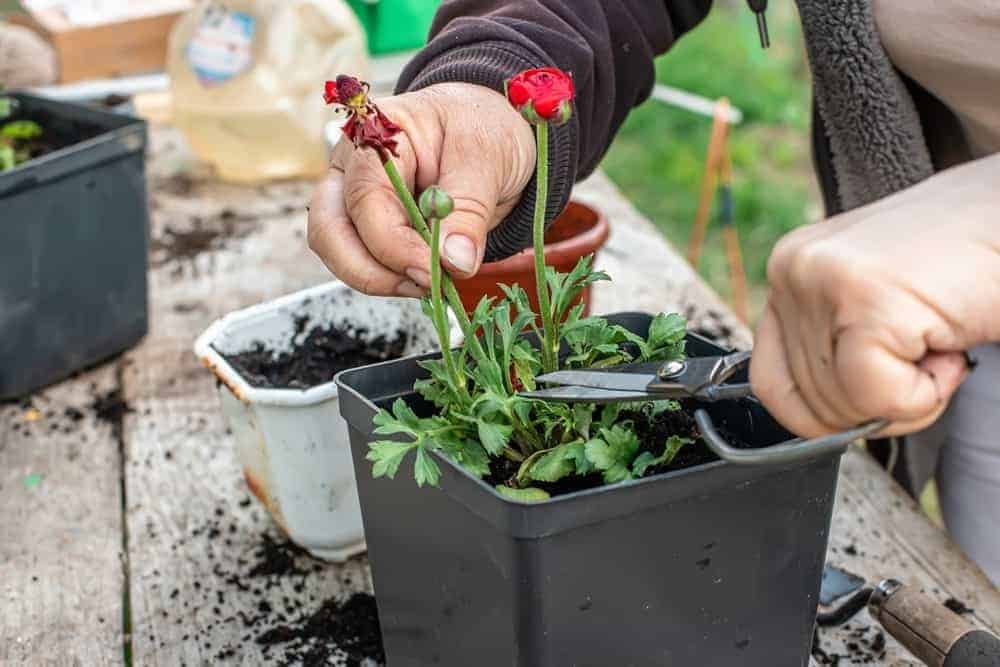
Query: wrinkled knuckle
782,256
475,207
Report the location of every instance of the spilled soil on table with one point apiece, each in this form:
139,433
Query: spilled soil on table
321,354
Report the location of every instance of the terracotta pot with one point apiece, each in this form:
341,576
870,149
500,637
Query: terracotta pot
580,230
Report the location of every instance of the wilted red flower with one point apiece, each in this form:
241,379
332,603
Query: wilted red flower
373,130
542,95
366,126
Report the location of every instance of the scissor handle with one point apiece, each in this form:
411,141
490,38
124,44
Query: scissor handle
790,451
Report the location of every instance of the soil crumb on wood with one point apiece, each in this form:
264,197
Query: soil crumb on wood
865,645
957,606
350,627
324,352
179,242
268,595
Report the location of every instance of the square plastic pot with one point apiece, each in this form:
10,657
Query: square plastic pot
292,443
715,566
74,242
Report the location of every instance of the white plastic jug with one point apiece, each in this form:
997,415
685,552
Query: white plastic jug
247,80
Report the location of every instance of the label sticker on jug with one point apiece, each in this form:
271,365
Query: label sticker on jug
222,46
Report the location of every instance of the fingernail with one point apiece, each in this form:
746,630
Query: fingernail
461,252
419,276
410,289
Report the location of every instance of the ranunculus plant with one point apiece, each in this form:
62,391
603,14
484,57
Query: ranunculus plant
482,423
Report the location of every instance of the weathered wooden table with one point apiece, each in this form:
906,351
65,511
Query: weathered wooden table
127,529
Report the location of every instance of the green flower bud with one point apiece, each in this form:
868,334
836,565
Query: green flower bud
436,204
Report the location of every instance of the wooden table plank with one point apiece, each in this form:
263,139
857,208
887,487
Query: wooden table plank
194,532
61,579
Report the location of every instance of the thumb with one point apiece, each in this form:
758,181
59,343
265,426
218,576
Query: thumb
463,233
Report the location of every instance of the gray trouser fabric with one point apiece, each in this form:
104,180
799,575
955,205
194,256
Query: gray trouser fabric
965,445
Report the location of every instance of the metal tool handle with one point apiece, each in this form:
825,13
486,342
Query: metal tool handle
790,451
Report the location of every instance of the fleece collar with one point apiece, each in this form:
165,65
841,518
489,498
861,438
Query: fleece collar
876,140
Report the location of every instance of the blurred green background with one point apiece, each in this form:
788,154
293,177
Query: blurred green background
658,157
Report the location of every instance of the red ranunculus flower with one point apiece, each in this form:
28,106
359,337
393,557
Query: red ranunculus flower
366,126
543,95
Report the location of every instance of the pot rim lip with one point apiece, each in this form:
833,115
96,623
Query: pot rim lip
591,241
213,360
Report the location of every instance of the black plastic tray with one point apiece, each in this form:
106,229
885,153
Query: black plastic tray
73,249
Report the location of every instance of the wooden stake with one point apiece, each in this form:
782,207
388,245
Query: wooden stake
716,146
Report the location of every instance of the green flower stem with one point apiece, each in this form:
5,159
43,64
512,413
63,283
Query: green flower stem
437,307
418,223
550,341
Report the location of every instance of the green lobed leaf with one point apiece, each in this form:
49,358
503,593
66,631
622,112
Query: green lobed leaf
494,436
613,452
425,469
387,455
554,465
530,495
645,461
21,130
8,159
666,338
583,417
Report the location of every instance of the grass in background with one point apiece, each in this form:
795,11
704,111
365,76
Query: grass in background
658,157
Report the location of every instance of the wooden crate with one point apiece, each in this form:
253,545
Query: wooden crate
102,51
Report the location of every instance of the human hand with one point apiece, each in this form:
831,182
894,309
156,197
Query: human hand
466,139
868,313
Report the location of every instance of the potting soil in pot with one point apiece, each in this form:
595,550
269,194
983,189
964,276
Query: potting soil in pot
315,356
653,431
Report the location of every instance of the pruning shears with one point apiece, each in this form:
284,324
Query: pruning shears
699,378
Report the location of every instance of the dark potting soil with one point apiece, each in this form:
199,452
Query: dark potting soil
957,606
653,432
269,596
324,352
351,626
865,645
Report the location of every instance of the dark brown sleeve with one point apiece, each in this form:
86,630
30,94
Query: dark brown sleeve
608,46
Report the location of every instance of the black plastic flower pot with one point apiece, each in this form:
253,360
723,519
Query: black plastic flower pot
714,565
73,246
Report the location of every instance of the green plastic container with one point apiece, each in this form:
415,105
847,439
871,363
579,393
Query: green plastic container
395,25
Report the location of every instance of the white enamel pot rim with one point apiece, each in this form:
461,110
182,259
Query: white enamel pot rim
238,385
232,378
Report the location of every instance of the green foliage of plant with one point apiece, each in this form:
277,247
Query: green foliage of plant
15,136
481,415
21,130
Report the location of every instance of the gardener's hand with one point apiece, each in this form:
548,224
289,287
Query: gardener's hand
465,138
869,312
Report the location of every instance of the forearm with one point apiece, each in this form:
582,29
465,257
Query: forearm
608,46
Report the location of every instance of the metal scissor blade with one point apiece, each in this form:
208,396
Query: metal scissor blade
633,381
578,394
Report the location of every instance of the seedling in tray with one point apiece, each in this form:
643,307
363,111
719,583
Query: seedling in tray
18,138
527,448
